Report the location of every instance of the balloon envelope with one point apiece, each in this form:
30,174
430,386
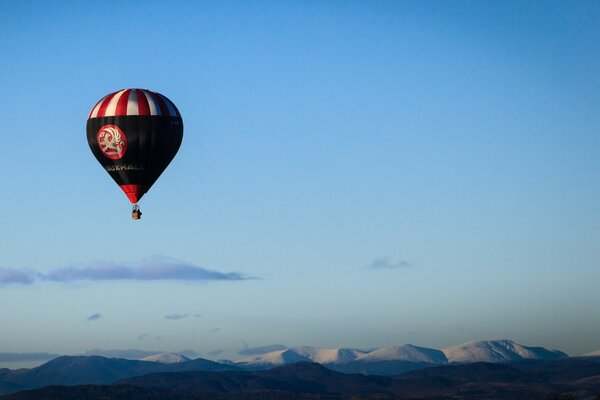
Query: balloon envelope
134,134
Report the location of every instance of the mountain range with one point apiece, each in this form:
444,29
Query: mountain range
386,361
79,370
565,378
398,359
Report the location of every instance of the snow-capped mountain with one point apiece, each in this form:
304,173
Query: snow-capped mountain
384,361
397,359
407,352
166,358
593,354
328,356
498,351
279,357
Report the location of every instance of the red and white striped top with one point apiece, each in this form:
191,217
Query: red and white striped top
134,102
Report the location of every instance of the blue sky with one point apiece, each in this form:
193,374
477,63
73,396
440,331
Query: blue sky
384,172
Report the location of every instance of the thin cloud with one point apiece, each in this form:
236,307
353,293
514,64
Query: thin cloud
175,317
215,352
94,317
153,269
149,270
146,336
213,330
10,275
388,263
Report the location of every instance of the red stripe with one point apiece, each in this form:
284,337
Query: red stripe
134,192
164,110
122,103
104,105
93,108
143,106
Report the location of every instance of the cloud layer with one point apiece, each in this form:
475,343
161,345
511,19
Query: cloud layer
175,317
8,275
388,263
94,317
154,269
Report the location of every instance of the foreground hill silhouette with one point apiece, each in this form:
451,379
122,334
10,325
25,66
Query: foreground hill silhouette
537,379
80,370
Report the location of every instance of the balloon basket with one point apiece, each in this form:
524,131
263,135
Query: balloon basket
136,213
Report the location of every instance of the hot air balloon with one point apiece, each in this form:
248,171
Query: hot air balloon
134,134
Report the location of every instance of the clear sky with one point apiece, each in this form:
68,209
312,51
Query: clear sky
356,174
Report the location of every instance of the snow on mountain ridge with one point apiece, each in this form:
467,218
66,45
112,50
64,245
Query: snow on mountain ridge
484,350
166,358
279,357
328,356
407,352
497,351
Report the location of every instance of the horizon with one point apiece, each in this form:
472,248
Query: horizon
356,174
29,360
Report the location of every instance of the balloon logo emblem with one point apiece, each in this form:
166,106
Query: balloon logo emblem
112,141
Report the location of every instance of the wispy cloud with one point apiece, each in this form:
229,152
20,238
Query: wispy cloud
388,263
10,275
153,269
147,336
215,352
213,330
175,317
94,317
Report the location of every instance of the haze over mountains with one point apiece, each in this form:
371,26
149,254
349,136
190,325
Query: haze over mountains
386,361
348,359
383,361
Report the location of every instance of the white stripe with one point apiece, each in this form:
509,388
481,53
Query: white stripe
169,105
97,107
154,108
112,106
132,103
